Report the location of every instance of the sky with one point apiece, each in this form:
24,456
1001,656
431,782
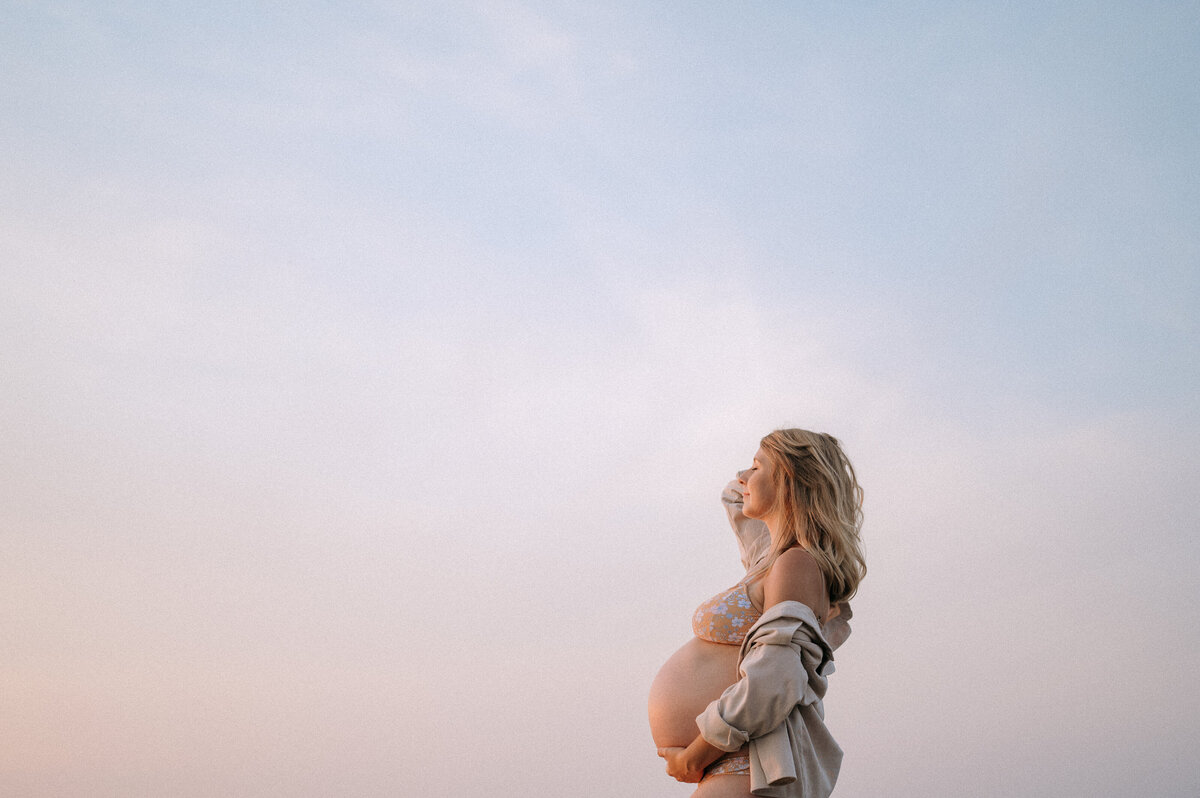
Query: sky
372,371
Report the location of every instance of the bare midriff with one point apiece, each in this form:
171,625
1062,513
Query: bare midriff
693,677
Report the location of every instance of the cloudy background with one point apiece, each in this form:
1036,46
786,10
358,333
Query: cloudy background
371,372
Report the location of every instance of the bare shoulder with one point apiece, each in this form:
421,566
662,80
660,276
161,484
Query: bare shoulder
796,576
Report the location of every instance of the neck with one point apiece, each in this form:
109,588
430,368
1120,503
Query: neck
773,522
775,526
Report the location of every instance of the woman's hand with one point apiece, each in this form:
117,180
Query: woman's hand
678,766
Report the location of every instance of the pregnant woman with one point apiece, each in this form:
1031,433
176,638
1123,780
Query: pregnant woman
738,707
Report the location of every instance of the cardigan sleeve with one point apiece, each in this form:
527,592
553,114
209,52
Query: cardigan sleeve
780,668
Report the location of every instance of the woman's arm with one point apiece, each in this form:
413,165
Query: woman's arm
688,764
754,541
795,576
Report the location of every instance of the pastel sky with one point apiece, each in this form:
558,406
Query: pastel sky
372,371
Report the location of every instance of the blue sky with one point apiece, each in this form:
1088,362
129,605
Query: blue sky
354,352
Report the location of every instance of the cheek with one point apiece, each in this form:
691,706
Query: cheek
762,494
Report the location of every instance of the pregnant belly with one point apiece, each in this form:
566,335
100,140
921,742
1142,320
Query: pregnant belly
687,682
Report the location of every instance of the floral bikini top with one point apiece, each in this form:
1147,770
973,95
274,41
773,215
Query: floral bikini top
726,617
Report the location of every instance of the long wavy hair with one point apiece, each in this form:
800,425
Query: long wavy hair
822,507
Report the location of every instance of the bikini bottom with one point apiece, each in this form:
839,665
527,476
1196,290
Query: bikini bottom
736,763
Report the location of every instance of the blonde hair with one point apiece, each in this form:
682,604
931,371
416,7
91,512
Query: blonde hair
822,507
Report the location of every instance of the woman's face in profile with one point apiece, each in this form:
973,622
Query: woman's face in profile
758,487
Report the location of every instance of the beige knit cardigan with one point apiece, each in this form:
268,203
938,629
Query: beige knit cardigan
775,706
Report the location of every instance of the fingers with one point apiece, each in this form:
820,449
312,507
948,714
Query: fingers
677,773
